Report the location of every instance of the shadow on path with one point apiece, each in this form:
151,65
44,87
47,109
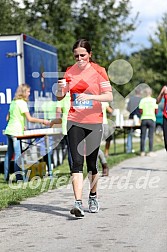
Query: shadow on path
54,210
142,169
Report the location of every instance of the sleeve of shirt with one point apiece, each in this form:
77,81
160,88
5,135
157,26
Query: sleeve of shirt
24,107
104,81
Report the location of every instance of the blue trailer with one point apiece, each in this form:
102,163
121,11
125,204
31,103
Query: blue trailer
24,59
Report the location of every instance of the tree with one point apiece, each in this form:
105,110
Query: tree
60,22
52,22
149,64
11,15
105,24
158,53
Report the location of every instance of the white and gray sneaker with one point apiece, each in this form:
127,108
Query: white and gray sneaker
93,204
77,210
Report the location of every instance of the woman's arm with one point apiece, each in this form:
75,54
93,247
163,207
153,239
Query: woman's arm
104,97
60,94
8,117
58,119
58,112
109,110
159,98
36,120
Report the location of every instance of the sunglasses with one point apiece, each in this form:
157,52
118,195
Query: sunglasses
81,55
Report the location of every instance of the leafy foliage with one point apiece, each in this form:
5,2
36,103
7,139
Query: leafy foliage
12,17
61,22
150,64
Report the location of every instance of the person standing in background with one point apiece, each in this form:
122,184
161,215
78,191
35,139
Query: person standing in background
107,137
103,161
62,109
133,108
49,109
89,86
17,116
148,109
163,94
107,130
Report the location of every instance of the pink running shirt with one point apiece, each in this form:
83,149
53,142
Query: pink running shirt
93,80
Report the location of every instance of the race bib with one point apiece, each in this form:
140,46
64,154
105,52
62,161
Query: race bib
82,105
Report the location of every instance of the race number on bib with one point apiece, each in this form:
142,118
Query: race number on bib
82,105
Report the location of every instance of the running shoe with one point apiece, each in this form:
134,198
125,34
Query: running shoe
77,210
93,204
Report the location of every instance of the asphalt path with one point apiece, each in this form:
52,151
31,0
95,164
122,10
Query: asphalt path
132,216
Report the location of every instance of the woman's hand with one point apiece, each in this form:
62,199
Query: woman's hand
60,89
46,122
164,90
83,97
61,84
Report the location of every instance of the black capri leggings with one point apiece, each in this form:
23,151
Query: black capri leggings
84,140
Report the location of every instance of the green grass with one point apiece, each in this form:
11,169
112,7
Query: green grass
11,194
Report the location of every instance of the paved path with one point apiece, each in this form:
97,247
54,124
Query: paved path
132,218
